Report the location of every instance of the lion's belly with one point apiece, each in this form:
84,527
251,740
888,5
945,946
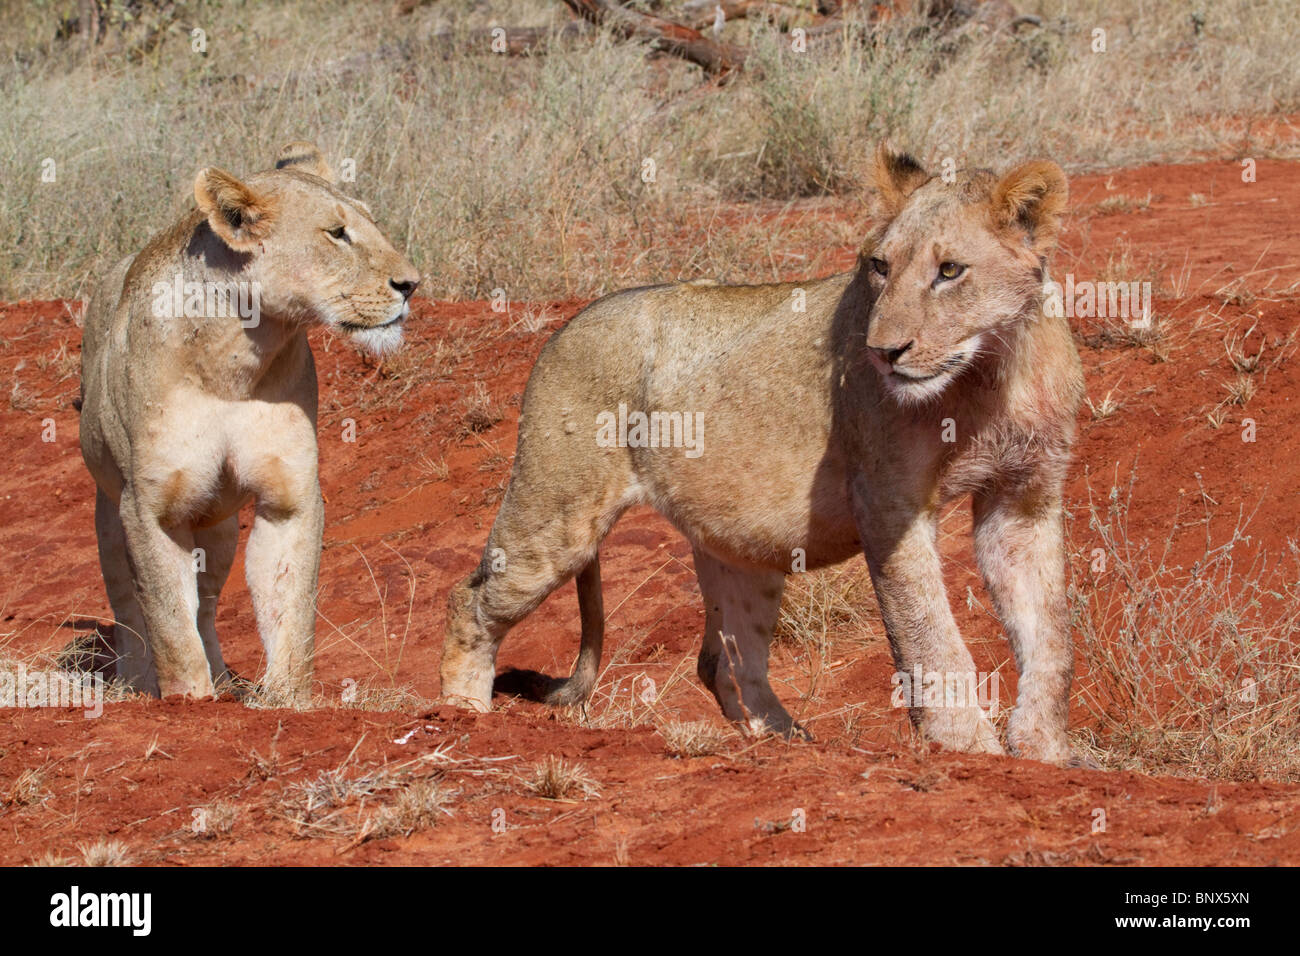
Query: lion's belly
764,490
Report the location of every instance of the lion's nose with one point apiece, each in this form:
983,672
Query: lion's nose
404,286
892,353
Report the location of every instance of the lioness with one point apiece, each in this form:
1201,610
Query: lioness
199,394
832,416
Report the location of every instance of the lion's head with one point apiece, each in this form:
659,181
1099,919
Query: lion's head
954,264
315,254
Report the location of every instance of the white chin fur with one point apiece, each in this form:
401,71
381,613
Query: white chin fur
914,393
380,341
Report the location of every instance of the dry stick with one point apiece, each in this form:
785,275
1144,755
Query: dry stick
716,58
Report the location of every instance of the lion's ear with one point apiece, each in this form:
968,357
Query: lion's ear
305,157
1032,198
239,216
894,177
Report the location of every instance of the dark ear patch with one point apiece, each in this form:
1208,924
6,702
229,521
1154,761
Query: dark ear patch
894,177
240,217
1032,198
304,157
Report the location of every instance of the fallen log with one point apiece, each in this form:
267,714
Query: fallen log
715,57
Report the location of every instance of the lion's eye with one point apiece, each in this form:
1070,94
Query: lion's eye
880,266
950,270
338,232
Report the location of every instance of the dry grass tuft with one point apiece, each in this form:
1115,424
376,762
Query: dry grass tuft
478,411
373,804
1189,671
214,820
104,852
556,779
419,805
27,790
1240,390
1104,409
695,738
50,858
819,604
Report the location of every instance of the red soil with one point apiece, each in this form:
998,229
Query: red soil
400,533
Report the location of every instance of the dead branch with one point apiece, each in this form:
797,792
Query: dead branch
715,57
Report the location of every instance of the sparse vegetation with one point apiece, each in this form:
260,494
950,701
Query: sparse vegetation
1189,670
1121,203
479,411
334,803
1240,390
819,604
695,738
105,852
557,779
529,176
1105,408
27,790
214,820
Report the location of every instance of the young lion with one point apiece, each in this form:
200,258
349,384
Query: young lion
830,417
199,394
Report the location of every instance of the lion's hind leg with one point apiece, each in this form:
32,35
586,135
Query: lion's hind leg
524,562
741,609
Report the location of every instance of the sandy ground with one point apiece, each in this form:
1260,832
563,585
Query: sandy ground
408,508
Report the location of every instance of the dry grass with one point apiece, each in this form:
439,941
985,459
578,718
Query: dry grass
1241,362
357,804
419,805
334,803
1216,416
818,605
104,852
1105,408
27,790
477,411
1189,670
378,694
694,738
214,820
557,779
524,174
1121,203
1240,390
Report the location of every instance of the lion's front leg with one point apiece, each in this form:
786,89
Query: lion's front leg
282,564
1021,554
907,574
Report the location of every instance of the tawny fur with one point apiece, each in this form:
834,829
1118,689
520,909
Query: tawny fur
186,418
823,436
